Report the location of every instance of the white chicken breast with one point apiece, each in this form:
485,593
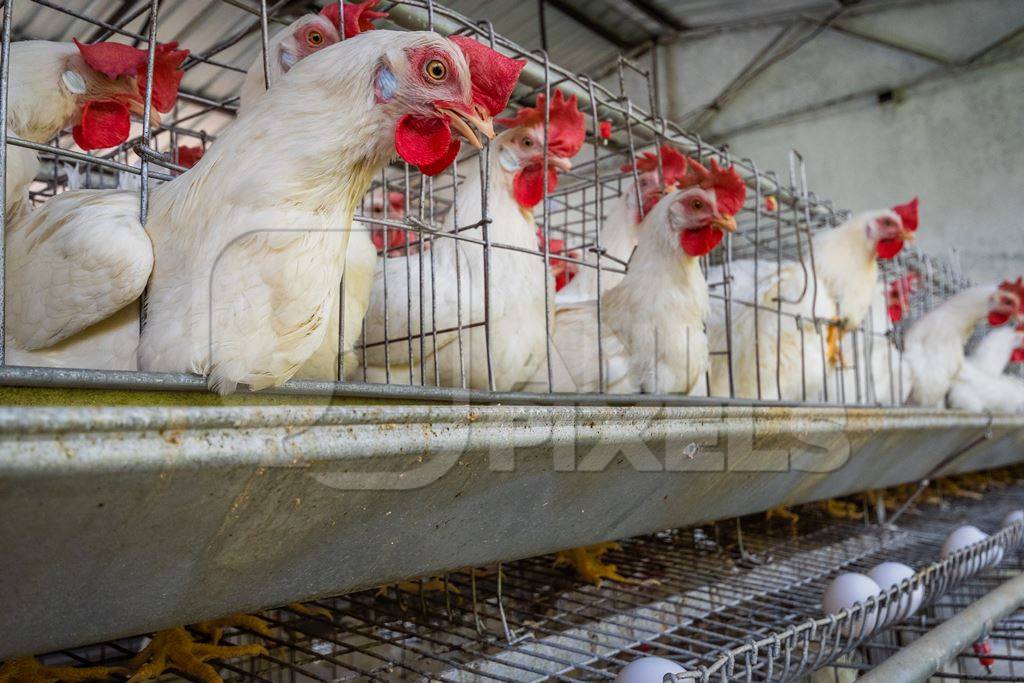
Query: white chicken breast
981,383
247,265
447,283
934,344
652,322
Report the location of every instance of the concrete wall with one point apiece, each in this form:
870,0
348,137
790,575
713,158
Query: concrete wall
958,142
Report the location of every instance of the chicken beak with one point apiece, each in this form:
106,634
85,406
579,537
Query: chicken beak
481,120
561,163
907,235
724,223
138,108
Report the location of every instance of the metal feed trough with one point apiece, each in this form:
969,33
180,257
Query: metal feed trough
151,502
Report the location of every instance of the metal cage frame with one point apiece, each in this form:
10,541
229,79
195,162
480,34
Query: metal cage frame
574,212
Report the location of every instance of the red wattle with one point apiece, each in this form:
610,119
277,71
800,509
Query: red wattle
105,123
699,241
997,319
423,140
1017,356
895,313
444,162
528,185
888,248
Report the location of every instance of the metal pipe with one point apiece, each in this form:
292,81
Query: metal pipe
5,71
923,657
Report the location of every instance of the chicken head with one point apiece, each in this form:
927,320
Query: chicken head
705,209
891,228
432,88
521,148
1007,303
108,82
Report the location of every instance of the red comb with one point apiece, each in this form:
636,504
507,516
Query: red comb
730,190
359,16
673,164
116,59
908,214
188,156
493,74
567,129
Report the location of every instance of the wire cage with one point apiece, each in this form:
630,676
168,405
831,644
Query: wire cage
422,337
738,600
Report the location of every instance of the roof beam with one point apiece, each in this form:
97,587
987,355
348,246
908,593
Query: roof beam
589,24
892,45
656,14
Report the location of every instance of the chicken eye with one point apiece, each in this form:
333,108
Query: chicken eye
436,70
315,39
696,205
527,142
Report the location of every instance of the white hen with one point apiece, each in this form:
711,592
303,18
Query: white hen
652,322
456,269
248,264
620,229
981,383
303,37
83,256
934,345
93,88
799,318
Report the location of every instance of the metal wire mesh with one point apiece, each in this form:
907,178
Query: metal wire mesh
737,600
417,330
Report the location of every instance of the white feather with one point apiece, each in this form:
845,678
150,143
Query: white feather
934,345
980,384
652,323
517,298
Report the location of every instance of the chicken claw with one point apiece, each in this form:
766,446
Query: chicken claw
176,649
840,509
588,564
29,670
214,628
783,512
314,611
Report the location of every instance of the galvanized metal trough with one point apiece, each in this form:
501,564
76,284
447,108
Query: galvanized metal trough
123,519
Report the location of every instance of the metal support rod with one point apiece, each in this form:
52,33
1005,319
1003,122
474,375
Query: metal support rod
919,660
5,72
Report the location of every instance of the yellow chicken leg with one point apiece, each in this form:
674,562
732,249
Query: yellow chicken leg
214,628
176,649
783,512
308,611
841,509
587,563
29,670
834,350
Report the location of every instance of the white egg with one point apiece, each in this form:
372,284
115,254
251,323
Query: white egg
647,670
965,536
1013,517
844,591
889,574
